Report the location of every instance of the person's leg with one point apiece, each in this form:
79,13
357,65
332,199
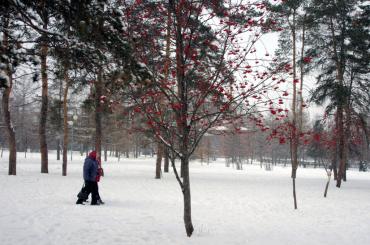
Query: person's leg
89,186
84,193
100,201
94,193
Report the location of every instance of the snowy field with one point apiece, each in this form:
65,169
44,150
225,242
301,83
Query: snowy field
252,206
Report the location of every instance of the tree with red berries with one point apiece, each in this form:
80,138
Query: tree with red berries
214,75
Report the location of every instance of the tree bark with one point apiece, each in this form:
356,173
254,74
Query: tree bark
187,198
65,122
60,109
105,154
158,166
294,134
10,130
342,161
58,149
340,107
164,149
166,161
6,110
44,103
327,183
98,114
183,128
334,164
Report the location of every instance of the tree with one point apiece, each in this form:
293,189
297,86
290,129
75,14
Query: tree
7,59
293,16
202,90
36,15
334,41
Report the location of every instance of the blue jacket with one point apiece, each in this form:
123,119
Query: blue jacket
90,169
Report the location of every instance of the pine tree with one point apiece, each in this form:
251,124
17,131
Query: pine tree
334,45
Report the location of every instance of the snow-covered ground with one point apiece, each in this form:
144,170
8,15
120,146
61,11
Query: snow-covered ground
252,206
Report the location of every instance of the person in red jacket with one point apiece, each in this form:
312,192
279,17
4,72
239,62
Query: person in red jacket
91,173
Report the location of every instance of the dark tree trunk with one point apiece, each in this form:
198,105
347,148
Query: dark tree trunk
10,131
105,154
7,116
334,162
58,149
187,198
44,103
166,160
327,183
342,160
345,173
65,123
182,170
294,194
347,133
98,114
158,165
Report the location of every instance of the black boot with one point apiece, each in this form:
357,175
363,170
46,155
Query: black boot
95,201
80,201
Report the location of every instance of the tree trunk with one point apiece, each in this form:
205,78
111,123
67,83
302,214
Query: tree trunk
294,134
166,73
58,148
44,105
183,128
105,154
347,133
60,115
327,183
7,115
158,165
345,173
342,160
98,114
25,149
65,122
166,160
187,198
10,130
340,107
335,156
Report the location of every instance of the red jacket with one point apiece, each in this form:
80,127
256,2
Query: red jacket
100,172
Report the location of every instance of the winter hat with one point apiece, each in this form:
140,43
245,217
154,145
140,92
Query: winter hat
92,155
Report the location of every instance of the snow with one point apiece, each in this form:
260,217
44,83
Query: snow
252,206
219,128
